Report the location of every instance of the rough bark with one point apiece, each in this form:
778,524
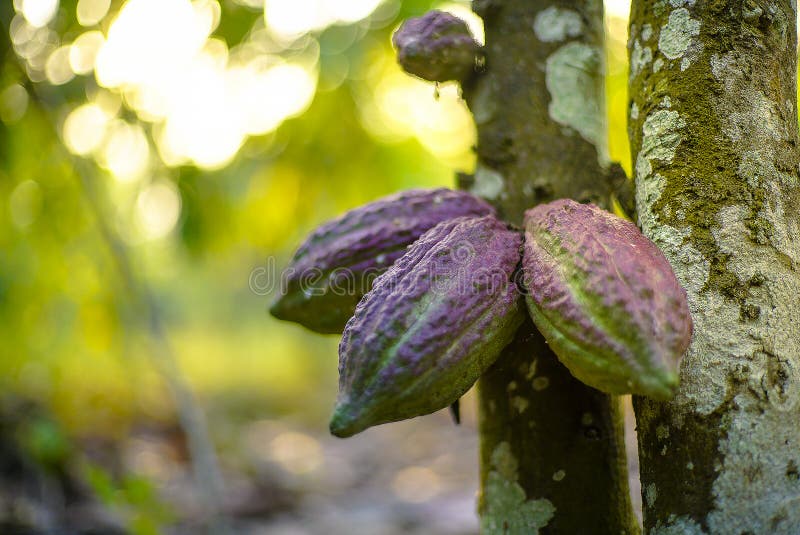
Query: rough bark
552,449
713,129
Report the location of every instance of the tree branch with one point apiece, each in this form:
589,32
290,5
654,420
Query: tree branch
192,420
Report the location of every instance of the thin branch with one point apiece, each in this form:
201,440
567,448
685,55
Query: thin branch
203,457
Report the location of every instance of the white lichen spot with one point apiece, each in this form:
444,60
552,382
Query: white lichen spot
640,58
690,465
634,111
484,103
519,403
506,508
540,383
559,475
666,102
691,267
721,64
647,32
664,450
575,87
662,432
661,135
488,183
650,494
677,33
685,62
658,64
556,24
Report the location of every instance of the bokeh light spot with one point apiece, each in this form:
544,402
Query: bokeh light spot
13,103
158,208
618,8
474,22
126,152
57,68
83,52
416,484
38,13
296,452
292,18
90,12
85,128
203,104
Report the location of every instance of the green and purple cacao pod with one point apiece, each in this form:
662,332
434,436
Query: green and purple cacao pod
431,325
338,263
605,298
436,47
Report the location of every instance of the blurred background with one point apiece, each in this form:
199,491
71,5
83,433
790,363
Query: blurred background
158,158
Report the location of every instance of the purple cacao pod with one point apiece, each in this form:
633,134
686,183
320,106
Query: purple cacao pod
431,325
605,298
339,261
436,47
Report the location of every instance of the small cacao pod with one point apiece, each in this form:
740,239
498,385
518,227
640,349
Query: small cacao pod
339,261
605,298
436,47
431,325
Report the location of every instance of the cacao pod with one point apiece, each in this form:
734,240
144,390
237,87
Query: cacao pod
436,47
338,262
605,298
431,325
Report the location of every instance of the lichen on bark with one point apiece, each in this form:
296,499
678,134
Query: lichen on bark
713,132
506,509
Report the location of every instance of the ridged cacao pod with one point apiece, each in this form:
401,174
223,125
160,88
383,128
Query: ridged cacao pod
339,261
431,325
436,47
605,298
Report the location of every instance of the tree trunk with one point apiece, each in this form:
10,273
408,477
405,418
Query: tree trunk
552,449
713,129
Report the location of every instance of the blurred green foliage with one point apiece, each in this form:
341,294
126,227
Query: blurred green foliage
133,497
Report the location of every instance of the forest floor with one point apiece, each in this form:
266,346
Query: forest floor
280,478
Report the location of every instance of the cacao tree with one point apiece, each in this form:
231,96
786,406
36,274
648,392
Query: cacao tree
713,131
